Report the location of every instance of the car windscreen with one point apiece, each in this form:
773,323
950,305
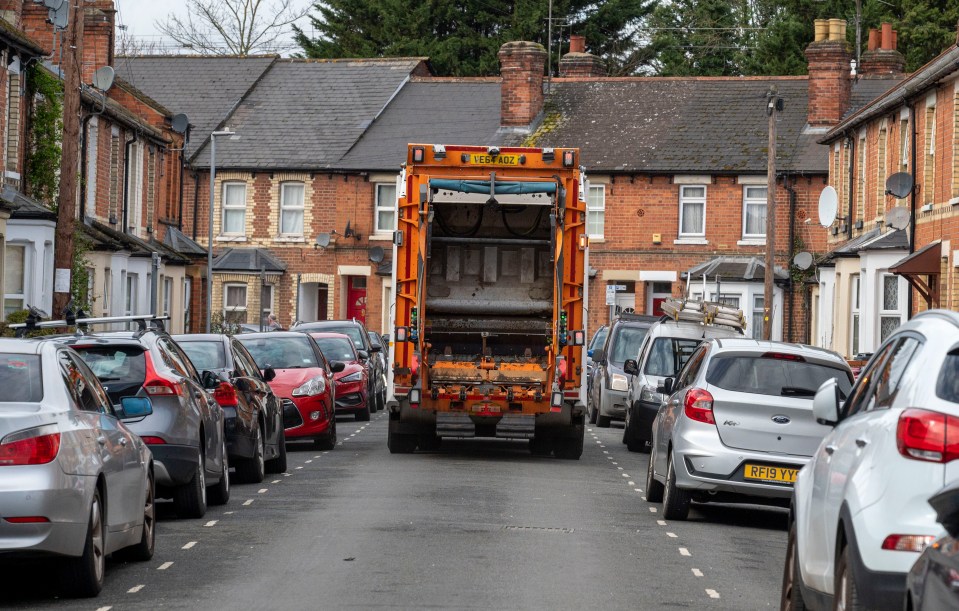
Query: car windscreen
20,378
947,388
336,349
779,377
205,355
280,352
667,355
626,344
121,369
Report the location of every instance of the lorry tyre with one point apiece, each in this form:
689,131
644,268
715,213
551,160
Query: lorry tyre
570,448
538,446
430,442
400,443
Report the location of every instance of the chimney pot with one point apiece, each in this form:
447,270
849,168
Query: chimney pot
895,40
822,29
873,39
887,37
577,44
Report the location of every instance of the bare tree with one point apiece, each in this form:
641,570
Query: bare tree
234,27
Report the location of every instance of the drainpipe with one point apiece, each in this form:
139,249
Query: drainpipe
126,181
83,165
179,214
849,195
912,198
792,253
196,200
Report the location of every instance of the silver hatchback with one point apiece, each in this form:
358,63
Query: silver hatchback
64,452
738,423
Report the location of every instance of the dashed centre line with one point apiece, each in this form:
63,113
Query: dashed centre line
697,573
247,502
661,522
189,545
136,589
104,608
276,481
712,593
298,468
630,483
164,566
211,523
262,490
309,461
672,535
684,552
651,509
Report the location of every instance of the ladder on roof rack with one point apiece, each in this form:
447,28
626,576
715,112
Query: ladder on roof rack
705,313
143,321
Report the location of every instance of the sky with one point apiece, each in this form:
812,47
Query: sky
139,16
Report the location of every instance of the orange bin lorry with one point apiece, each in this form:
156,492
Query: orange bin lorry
490,259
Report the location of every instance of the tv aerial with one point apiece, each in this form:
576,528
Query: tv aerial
828,206
899,185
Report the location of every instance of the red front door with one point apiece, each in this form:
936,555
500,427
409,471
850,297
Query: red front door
356,298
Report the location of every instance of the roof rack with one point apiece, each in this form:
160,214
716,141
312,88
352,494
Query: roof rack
143,321
705,313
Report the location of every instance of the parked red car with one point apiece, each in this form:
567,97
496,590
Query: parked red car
352,384
303,382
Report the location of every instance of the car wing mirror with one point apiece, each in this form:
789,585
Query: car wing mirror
375,348
665,387
630,367
363,354
825,405
386,339
242,384
598,355
269,374
337,366
134,407
210,380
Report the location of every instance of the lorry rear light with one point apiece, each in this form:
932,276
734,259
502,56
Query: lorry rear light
419,154
415,396
36,446
569,158
583,241
579,338
907,543
556,401
926,435
225,395
402,334
698,406
28,520
153,441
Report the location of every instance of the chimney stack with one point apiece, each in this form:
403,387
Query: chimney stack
98,37
10,11
829,73
882,57
579,63
522,65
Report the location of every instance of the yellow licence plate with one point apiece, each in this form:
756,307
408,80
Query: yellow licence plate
485,159
771,474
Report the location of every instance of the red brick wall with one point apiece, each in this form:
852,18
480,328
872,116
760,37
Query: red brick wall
521,65
829,82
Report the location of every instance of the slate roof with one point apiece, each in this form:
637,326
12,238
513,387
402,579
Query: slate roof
749,269
432,111
25,207
206,89
13,36
248,260
891,240
686,125
105,237
180,242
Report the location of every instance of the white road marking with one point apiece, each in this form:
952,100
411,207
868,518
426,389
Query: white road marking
308,462
672,535
136,589
104,608
353,435
610,458
189,545
602,446
339,444
211,523
298,468
712,593
661,522
623,474
248,502
630,483
651,509
684,552
164,566
620,468
327,452
605,451
276,481
262,490
287,474
317,456
228,513
599,442
638,489
697,573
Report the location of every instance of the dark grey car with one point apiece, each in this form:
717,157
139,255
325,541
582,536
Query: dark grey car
608,384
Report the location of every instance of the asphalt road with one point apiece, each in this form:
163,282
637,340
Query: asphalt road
479,524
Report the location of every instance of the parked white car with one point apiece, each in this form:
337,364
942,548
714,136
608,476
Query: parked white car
860,515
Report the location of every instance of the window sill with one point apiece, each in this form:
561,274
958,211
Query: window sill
954,201
230,238
599,240
382,237
694,241
751,242
290,240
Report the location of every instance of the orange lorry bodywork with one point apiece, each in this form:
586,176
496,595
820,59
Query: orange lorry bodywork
493,316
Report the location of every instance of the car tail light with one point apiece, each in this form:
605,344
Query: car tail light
930,436
28,520
782,356
698,406
907,543
153,441
36,446
157,385
225,395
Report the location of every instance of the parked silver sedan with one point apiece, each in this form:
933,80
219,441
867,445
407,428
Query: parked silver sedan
64,451
738,423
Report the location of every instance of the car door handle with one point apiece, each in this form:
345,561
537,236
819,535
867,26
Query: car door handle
102,441
123,441
862,442
830,449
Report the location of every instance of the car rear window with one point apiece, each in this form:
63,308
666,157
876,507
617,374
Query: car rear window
599,339
20,378
947,388
668,355
336,349
121,369
626,344
773,376
280,352
355,334
205,355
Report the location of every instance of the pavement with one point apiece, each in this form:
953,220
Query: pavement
478,524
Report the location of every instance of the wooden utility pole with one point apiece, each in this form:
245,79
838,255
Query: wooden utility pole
773,105
67,199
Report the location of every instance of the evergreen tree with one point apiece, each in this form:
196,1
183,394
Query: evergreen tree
462,37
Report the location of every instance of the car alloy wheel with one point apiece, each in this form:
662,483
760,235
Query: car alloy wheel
83,576
654,489
96,539
791,599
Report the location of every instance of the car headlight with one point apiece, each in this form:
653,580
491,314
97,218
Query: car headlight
649,395
618,381
313,386
356,376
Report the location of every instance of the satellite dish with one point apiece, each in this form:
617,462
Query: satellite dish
323,240
376,254
59,14
899,185
180,123
897,218
53,4
103,78
828,206
803,260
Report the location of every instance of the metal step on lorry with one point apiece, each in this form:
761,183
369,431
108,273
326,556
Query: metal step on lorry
488,298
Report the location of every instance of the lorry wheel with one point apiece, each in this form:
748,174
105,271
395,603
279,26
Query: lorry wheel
400,443
570,448
540,447
430,442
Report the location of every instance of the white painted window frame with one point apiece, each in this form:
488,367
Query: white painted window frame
287,207
596,204
753,201
685,200
227,184
384,205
